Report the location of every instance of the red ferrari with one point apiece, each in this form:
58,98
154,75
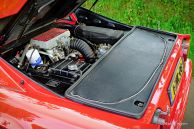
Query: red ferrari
65,67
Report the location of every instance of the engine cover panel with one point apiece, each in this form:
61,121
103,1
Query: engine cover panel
123,81
48,39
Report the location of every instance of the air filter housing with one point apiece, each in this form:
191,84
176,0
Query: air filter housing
48,39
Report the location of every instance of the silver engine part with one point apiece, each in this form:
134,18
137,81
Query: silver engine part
102,49
52,43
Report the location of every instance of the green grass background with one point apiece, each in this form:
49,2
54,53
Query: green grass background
169,15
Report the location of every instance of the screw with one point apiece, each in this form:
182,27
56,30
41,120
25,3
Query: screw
22,82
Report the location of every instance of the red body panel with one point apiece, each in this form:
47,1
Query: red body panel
10,7
25,104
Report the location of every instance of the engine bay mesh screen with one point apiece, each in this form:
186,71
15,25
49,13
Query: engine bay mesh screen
123,80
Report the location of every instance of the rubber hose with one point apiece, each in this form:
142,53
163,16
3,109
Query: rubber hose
93,46
84,49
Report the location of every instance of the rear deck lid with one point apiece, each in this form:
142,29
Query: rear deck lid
32,11
10,7
123,81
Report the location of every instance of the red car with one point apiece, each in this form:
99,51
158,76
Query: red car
65,67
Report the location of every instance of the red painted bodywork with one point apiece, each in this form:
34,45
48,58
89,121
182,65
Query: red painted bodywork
10,7
26,104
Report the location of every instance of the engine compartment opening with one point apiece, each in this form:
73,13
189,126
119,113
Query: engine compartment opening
111,69
92,60
59,56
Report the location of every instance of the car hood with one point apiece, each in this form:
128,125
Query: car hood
10,7
20,10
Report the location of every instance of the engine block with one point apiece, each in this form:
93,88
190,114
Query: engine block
49,39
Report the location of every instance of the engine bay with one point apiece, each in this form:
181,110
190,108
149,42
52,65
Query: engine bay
58,57
87,58
106,65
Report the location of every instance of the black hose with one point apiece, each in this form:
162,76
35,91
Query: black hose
84,49
93,46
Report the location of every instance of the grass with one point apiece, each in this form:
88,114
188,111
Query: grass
168,15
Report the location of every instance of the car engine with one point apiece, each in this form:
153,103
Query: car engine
59,57
52,43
